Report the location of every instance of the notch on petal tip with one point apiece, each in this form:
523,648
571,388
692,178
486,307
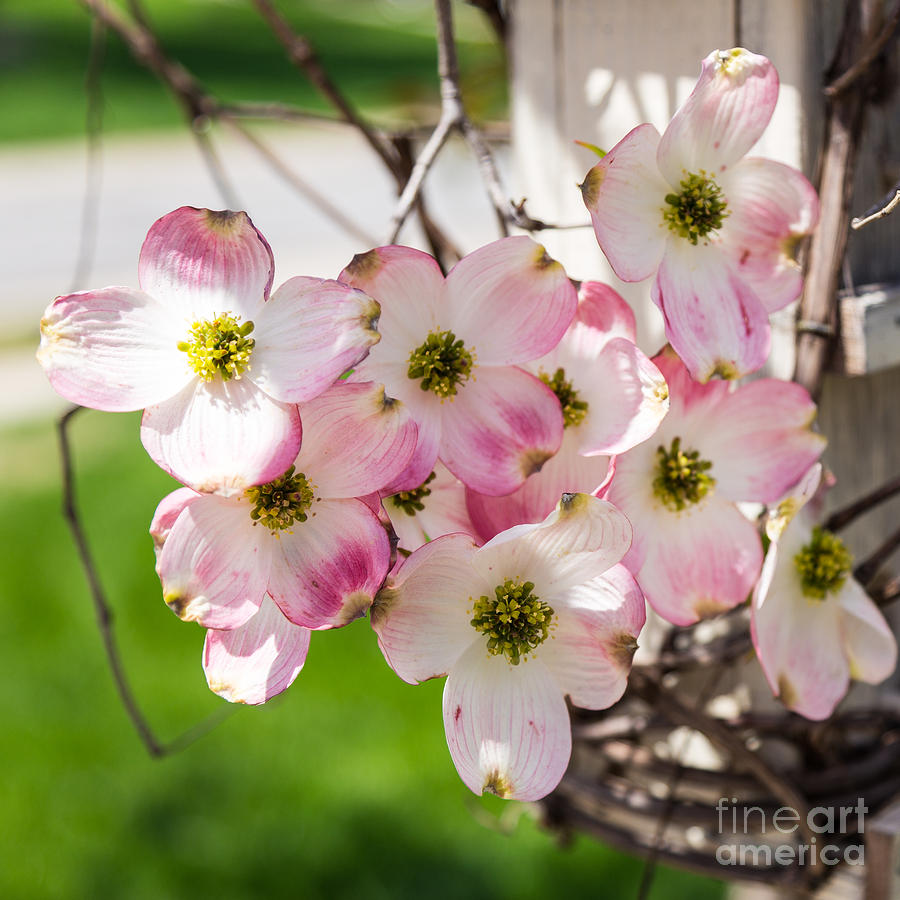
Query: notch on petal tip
364,264
590,187
497,784
622,648
225,221
786,690
570,503
542,259
533,460
707,607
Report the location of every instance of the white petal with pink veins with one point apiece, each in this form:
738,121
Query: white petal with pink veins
222,435
355,440
167,512
214,566
508,301
723,118
201,263
771,206
625,195
422,615
326,570
309,333
714,320
113,349
578,541
595,636
507,726
258,660
869,643
501,426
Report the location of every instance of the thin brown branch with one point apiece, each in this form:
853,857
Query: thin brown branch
104,611
868,55
879,211
869,567
841,518
200,131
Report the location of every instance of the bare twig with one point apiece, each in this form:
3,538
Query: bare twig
843,517
868,55
869,567
879,211
104,612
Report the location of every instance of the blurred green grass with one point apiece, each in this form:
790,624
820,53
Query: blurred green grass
381,53
342,789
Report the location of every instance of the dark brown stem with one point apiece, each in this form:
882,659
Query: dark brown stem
868,55
868,569
843,517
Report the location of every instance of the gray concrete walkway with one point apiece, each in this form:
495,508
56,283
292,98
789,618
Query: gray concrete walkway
146,176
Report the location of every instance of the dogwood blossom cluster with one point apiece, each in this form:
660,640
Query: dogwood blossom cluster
484,461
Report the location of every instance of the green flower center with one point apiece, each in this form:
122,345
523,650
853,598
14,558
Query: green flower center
442,362
823,564
514,620
279,503
697,210
574,410
412,501
220,347
681,477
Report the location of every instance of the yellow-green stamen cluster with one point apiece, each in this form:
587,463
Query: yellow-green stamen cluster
823,564
681,476
442,362
219,347
514,620
574,410
412,501
279,503
697,209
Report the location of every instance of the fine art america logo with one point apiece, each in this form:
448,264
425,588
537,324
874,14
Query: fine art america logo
778,837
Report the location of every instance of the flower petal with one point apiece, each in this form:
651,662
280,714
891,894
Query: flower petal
355,440
222,434
326,571
725,115
422,615
201,263
577,542
760,440
255,662
700,561
603,309
113,349
869,643
714,320
509,301
501,426
596,635
309,333
625,195
507,726
566,472
167,512
214,565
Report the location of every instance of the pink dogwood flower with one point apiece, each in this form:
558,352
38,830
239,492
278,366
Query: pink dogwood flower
612,398
694,553
217,362
538,613
302,537
718,231
813,625
450,350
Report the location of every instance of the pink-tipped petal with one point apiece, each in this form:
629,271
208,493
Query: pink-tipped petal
509,301
355,440
309,333
689,400
714,320
502,426
578,541
771,206
201,262
604,310
257,661
422,615
627,399
222,435
113,349
700,562
326,570
625,195
595,638
167,512
214,565
725,115
869,643
761,440
567,472
507,726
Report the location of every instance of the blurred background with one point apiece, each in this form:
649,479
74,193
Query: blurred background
343,787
